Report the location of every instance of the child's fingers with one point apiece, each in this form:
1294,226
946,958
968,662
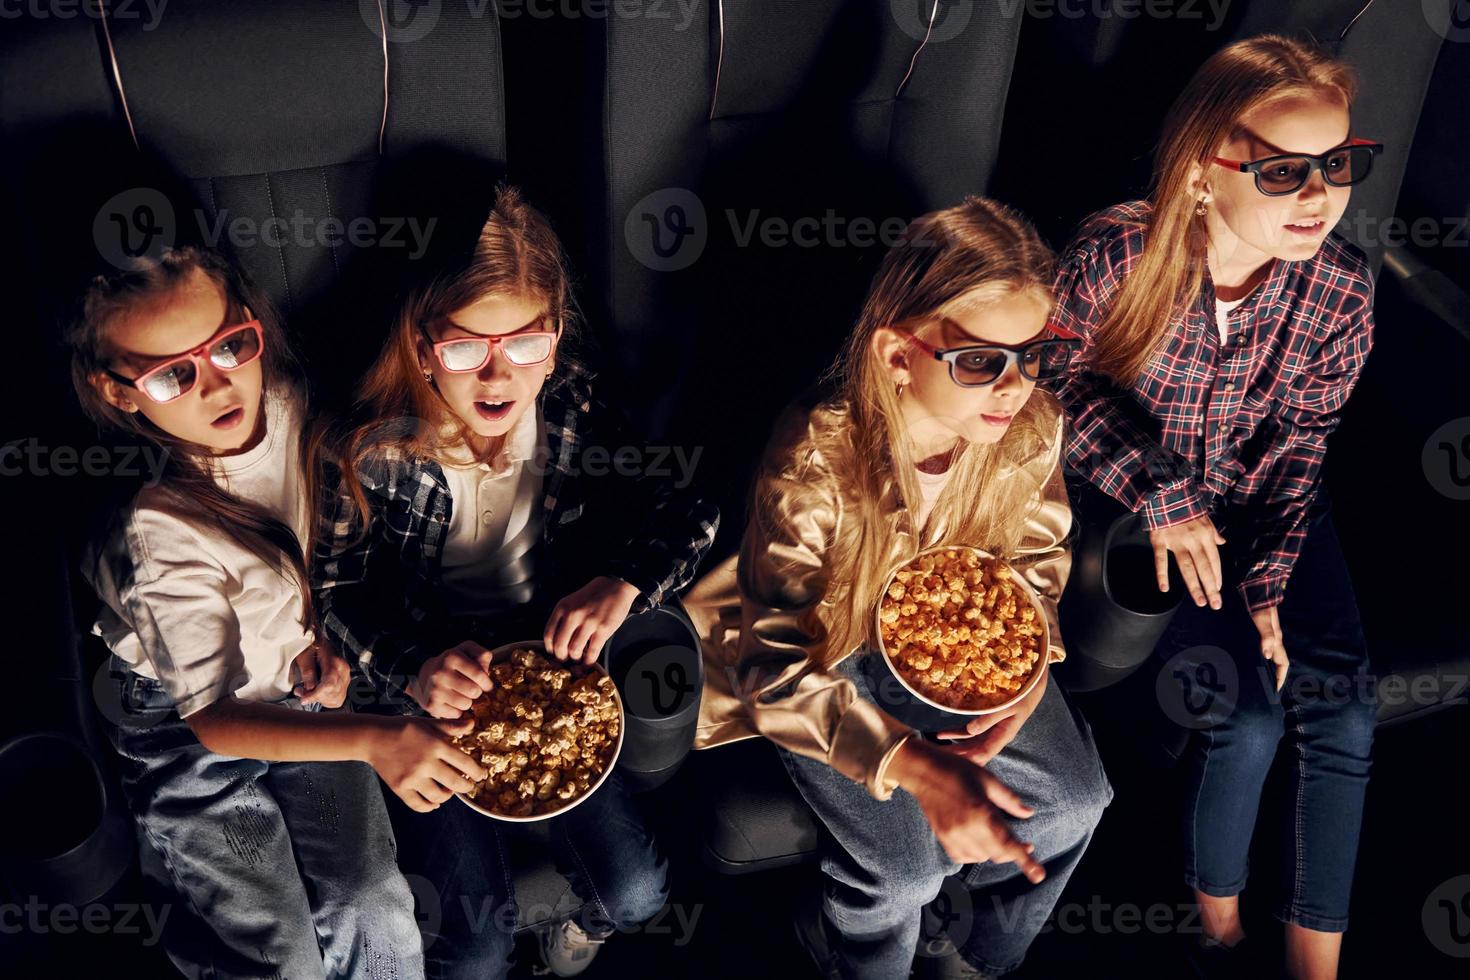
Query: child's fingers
581,639
306,664
1003,796
1161,566
469,678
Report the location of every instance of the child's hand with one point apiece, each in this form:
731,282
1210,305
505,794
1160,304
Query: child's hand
986,735
448,684
324,675
1268,624
419,763
585,620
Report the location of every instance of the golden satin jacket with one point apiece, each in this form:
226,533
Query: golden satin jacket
760,614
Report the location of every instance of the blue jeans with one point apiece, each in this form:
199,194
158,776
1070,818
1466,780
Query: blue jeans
883,863
277,868
456,859
605,849
1214,681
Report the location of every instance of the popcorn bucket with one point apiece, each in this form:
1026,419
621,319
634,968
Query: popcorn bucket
910,706
502,653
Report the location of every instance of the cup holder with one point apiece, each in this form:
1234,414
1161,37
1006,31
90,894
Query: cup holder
69,838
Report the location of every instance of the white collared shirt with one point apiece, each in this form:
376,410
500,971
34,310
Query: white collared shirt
492,503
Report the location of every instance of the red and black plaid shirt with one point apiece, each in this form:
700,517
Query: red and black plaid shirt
1235,430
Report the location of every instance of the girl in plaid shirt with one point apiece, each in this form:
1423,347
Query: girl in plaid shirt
1223,329
489,496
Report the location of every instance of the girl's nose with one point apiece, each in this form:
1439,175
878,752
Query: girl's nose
1315,187
497,366
211,378
1010,382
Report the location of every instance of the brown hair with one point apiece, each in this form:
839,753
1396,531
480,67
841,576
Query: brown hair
188,470
972,254
1233,83
516,253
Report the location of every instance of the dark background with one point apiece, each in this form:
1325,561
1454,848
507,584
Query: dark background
821,107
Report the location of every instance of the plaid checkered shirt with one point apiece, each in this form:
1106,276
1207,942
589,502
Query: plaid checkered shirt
1235,430
379,595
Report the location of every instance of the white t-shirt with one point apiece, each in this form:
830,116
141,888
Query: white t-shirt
492,507
1222,310
187,605
931,485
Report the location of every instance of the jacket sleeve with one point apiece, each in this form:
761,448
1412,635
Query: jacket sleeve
670,524
1108,445
1044,556
1277,515
783,577
359,584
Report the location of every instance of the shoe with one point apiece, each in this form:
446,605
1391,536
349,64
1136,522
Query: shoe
938,963
567,949
1212,960
814,935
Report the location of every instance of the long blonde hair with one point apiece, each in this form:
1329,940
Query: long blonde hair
1233,83
516,253
972,254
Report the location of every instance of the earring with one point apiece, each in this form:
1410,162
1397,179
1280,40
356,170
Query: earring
429,377
1201,208
898,389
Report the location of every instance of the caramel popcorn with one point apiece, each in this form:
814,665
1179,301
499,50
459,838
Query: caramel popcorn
959,629
545,733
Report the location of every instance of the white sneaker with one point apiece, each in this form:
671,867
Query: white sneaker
567,950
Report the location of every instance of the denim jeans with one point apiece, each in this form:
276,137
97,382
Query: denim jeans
455,859
605,849
883,864
1324,716
273,869
467,902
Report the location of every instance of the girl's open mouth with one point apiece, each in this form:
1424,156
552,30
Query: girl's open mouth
493,411
230,419
1001,420
1307,228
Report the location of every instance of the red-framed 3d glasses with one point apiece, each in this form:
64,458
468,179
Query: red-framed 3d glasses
1286,173
461,355
230,349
